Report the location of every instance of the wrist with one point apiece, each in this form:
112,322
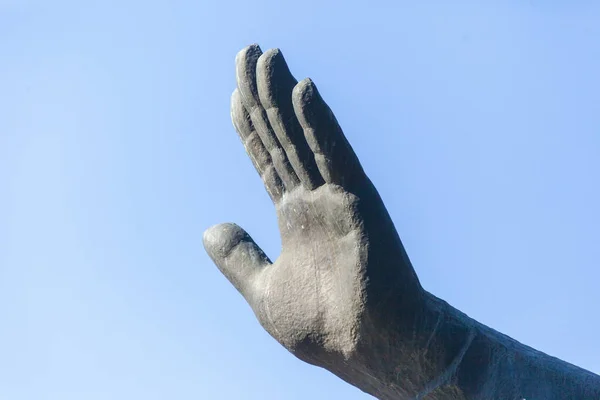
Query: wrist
412,351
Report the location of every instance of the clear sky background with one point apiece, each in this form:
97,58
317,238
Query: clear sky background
479,123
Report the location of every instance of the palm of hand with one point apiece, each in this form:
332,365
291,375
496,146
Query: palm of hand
313,291
338,242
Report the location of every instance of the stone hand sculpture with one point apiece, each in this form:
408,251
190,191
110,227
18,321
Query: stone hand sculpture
343,294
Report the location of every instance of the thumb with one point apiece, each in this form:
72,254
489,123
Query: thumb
236,255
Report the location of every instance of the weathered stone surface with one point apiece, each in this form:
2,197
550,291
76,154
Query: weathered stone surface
343,294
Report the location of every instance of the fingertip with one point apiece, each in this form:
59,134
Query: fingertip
253,49
268,57
307,103
236,255
304,92
304,85
245,66
274,78
220,240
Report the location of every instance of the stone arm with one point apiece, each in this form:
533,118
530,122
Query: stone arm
473,361
343,294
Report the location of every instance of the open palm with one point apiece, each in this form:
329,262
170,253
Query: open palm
341,259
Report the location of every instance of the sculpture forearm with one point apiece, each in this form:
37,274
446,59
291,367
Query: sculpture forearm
452,357
498,367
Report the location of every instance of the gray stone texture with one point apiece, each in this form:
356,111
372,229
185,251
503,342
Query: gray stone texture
343,294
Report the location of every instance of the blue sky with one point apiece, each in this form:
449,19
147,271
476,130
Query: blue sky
478,123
